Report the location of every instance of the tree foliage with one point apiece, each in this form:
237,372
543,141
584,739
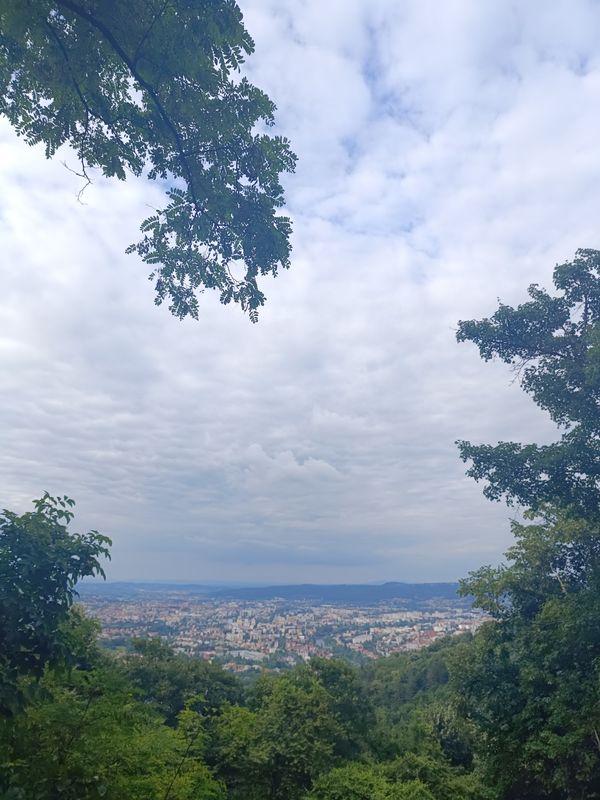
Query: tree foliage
352,782
531,680
40,564
172,681
554,555
297,730
90,738
150,86
553,341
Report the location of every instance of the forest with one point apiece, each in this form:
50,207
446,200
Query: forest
512,712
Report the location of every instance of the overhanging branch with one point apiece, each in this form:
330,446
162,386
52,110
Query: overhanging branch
112,41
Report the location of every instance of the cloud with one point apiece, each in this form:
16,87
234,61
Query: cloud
446,159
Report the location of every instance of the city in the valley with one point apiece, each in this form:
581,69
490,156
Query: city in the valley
256,631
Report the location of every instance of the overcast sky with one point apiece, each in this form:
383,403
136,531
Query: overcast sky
448,156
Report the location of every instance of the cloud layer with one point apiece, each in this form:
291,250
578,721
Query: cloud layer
447,156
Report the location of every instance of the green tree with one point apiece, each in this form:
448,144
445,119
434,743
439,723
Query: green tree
278,747
531,680
419,771
89,738
352,782
150,86
357,781
347,703
553,342
411,790
298,732
554,556
170,680
240,755
40,564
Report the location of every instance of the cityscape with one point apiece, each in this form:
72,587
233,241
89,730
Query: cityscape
274,633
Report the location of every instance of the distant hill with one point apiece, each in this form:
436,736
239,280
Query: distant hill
129,588
346,593
315,593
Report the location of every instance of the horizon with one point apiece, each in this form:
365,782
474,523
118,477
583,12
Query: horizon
249,585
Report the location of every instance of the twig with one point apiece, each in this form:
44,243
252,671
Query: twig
149,31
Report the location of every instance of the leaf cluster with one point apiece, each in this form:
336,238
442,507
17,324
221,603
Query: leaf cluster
41,562
151,87
553,343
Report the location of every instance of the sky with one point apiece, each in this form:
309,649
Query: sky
448,157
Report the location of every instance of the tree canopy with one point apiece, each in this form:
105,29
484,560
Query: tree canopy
529,680
553,342
151,87
40,564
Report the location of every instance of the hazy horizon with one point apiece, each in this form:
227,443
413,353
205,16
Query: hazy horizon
239,585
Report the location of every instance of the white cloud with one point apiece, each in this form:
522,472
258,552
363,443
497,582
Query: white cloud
447,157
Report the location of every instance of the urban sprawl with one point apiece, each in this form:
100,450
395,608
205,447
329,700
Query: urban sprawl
245,635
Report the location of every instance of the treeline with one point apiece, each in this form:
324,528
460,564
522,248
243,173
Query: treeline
511,712
162,725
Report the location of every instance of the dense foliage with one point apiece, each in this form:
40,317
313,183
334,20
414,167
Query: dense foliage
150,87
40,563
140,728
553,342
530,682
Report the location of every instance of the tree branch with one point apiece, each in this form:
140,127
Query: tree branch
110,38
88,111
149,31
